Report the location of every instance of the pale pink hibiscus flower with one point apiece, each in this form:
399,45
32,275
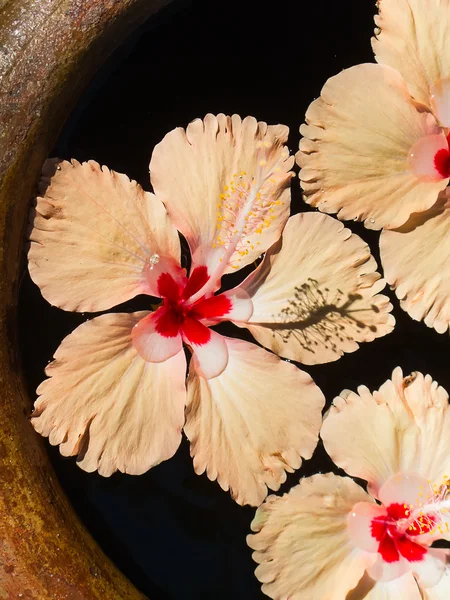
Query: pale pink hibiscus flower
328,539
376,148
117,392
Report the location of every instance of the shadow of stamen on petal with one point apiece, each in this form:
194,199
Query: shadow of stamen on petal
322,318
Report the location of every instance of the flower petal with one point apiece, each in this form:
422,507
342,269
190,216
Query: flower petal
253,422
210,356
355,155
97,238
360,525
233,305
315,295
413,37
402,428
302,544
403,588
388,571
440,101
106,404
403,488
430,157
204,175
157,337
212,308
241,305
415,259
441,591
431,570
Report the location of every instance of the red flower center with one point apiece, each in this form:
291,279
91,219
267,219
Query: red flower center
178,316
442,161
395,533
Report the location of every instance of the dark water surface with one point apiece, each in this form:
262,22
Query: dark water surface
174,534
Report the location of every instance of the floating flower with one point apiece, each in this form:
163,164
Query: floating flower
116,392
328,536
376,148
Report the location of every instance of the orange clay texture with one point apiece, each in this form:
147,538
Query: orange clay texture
50,51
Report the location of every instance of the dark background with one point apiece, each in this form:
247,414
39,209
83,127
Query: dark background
174,534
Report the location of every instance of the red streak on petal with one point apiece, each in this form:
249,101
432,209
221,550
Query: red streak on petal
168,287
442,163
216,306
397,511
410,550
197,280
195,332
378,528
388,550
167,322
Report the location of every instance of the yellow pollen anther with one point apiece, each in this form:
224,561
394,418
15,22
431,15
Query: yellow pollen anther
246,206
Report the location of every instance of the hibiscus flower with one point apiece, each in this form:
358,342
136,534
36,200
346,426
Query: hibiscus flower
117,392
328,536
376,148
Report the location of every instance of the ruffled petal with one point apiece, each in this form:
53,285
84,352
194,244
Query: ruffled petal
355,155
315,295
107,405
302,544
413,37
402,428
97,238
415,259
206,176
252,423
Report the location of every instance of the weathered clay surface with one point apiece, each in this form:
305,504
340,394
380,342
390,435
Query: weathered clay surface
49,49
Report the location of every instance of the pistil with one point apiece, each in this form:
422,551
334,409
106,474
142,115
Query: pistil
245,208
